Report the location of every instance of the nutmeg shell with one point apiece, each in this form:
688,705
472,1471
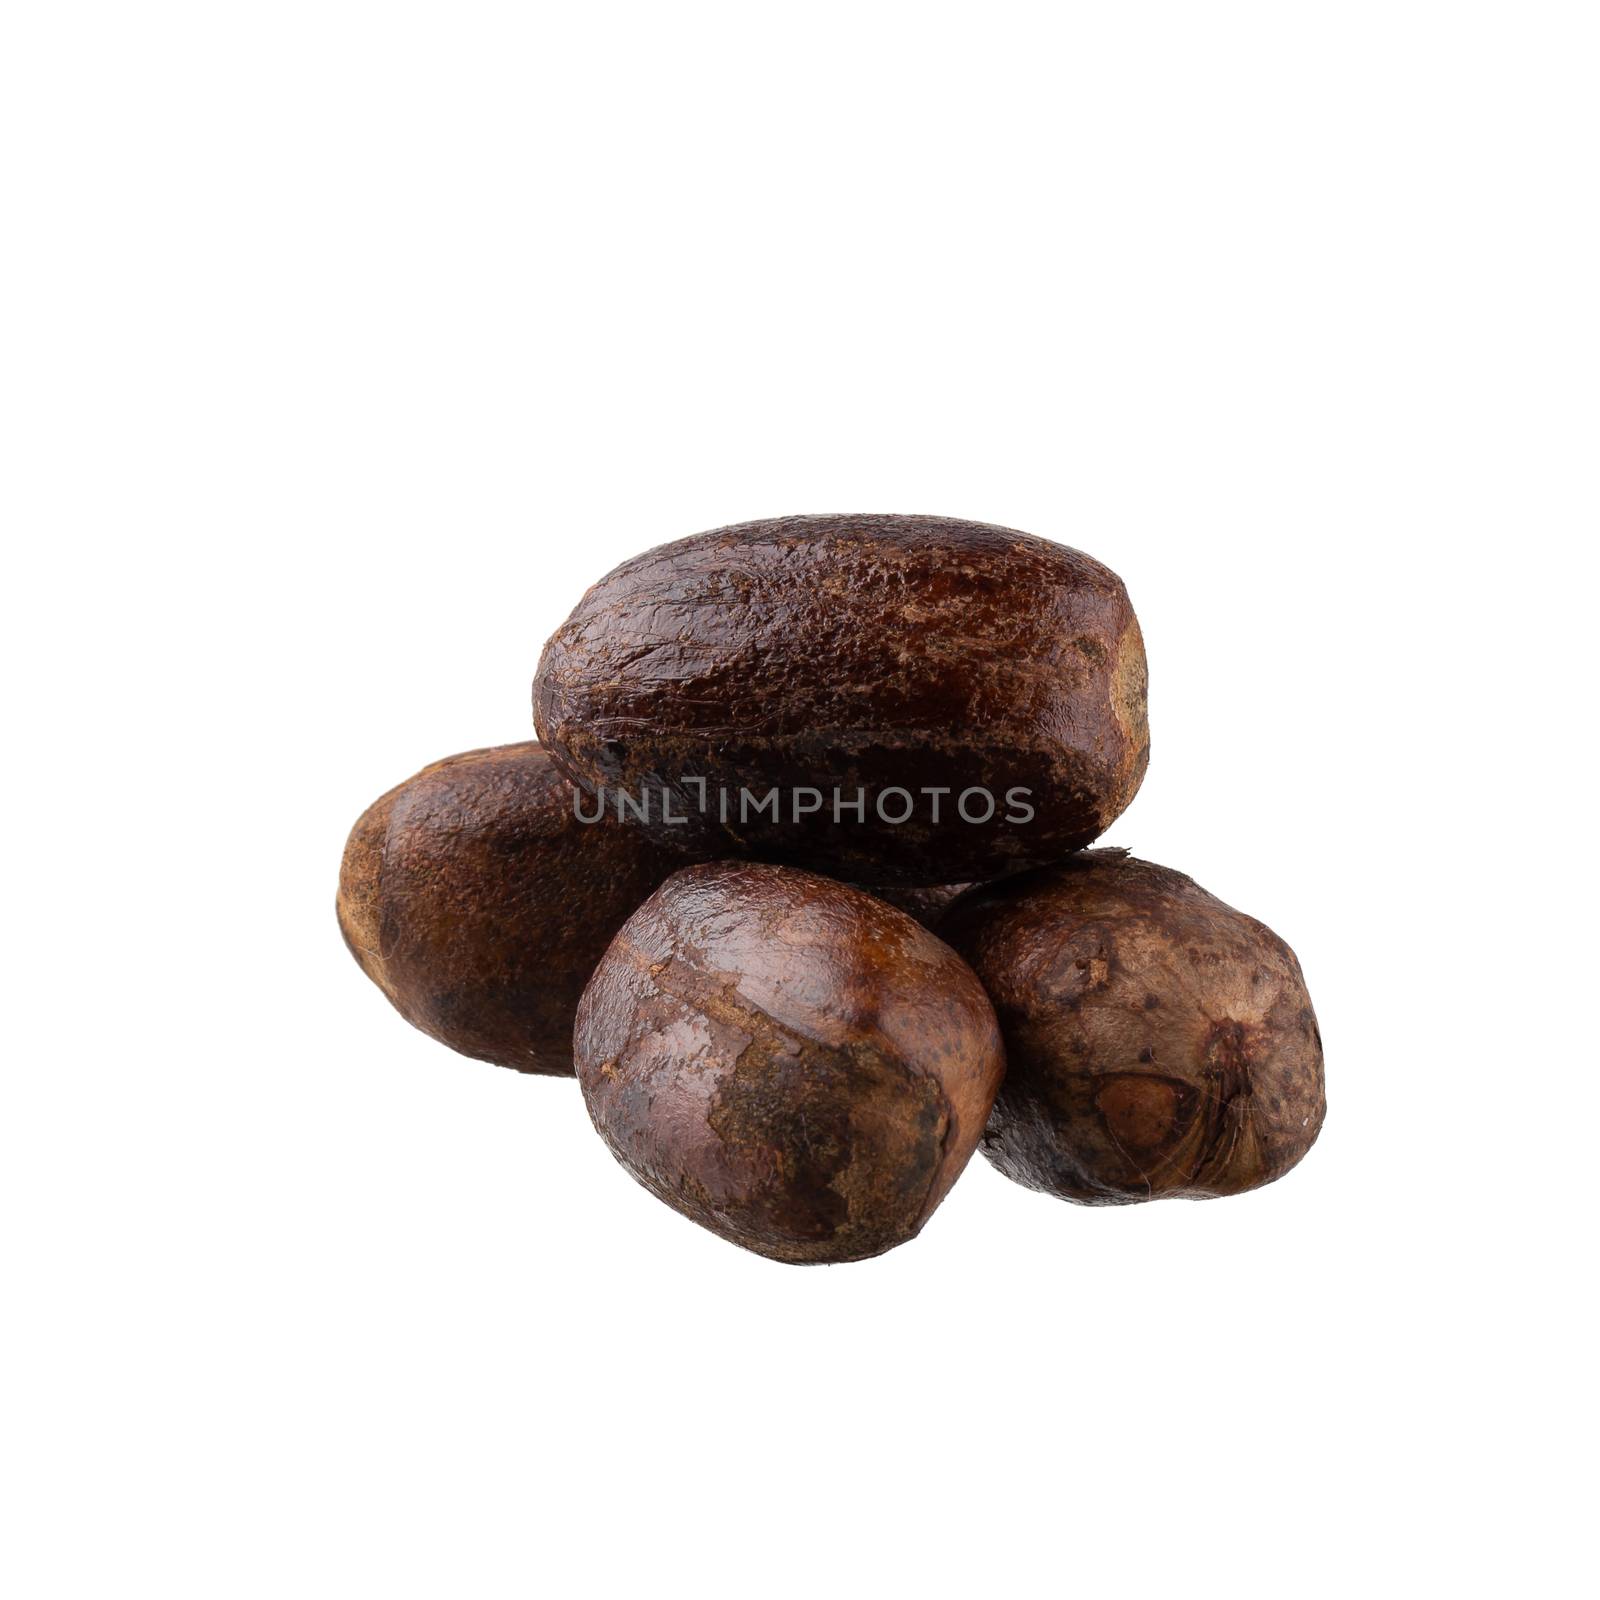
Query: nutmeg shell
1159,1043
788,1061
856,655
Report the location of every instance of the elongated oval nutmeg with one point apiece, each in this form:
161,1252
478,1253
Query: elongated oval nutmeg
888,699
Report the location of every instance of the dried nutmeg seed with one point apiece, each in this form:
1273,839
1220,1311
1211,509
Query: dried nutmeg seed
888,699
1159,1043
478,902
788,1061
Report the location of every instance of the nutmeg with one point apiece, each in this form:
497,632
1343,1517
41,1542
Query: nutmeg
887,699
473,896
1159,1043
786,1060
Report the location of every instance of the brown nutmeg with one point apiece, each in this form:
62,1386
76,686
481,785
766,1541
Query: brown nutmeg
475,898
1159,1043
977,692
786,1060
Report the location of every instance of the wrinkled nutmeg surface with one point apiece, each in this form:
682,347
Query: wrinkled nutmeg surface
788,1061
848,653
474,898
1159,1043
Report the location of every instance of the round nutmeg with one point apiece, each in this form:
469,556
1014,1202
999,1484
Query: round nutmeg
788,1061
888,699
476,899
1159,1043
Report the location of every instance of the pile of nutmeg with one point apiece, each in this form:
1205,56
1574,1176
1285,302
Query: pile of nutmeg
796,882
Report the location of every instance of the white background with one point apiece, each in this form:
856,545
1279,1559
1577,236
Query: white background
345,344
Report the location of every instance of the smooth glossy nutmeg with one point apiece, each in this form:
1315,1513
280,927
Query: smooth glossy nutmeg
475,898
887,699
788,1061
1159,1043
